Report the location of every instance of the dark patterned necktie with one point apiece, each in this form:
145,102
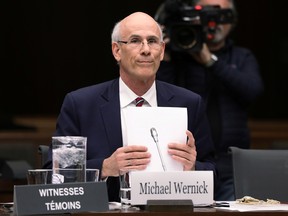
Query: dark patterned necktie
139,101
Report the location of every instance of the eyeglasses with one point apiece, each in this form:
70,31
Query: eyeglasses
137,43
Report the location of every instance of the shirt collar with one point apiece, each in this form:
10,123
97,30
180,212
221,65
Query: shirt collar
127,96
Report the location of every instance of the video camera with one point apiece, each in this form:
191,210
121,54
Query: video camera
189,26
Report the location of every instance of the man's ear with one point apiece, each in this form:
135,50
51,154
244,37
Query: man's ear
116,51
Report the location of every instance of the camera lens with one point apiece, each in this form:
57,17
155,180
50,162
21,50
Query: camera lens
184,37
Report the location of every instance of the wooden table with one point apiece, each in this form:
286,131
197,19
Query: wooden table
196,212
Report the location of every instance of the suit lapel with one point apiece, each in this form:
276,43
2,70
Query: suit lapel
164,96
111,115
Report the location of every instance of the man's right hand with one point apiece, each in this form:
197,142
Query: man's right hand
125,159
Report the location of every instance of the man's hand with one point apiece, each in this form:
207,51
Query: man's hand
184,153
203,56
125,159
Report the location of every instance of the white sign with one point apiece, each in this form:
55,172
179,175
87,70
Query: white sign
197,186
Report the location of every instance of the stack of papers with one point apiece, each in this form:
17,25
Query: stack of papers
235,206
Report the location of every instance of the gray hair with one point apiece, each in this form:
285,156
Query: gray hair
115,36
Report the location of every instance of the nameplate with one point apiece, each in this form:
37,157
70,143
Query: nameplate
60,198
197,186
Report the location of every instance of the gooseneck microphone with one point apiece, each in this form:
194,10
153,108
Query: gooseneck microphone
154,135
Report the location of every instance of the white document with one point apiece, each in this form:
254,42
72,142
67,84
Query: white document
156,127
262,207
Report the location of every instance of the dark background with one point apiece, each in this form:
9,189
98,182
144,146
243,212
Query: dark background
49,48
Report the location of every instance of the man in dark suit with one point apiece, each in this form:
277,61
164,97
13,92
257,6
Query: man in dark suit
96,111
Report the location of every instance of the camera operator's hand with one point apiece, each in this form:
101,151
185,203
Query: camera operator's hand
203,56
167,56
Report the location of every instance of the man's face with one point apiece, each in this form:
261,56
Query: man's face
140,58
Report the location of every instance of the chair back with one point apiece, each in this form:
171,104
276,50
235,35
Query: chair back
262,174
43,151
